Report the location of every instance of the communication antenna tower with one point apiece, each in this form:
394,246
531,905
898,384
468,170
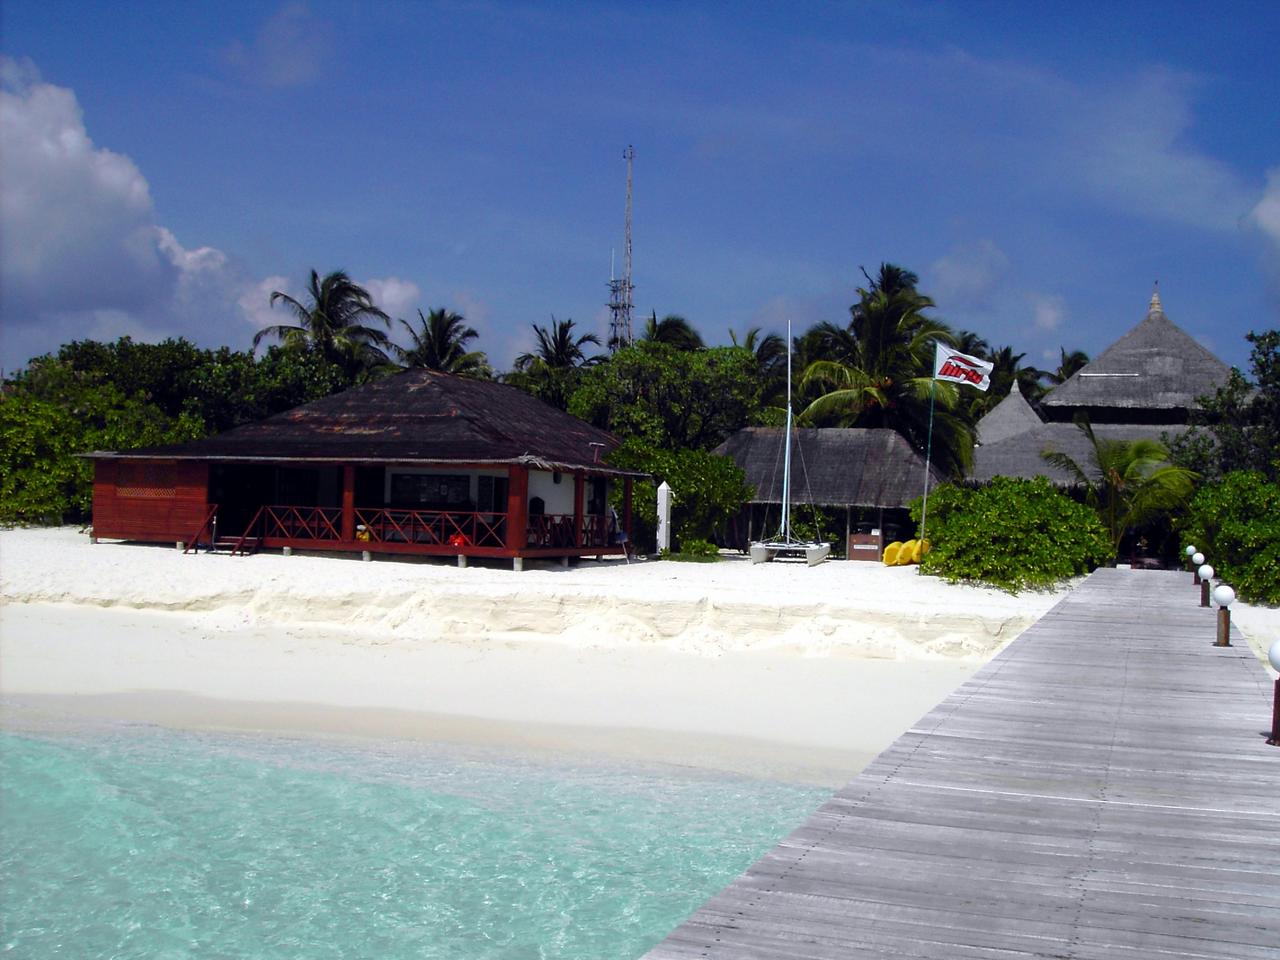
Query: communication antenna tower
620,288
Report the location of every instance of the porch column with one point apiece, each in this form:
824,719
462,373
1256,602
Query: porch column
626,506
348,502
579,481
517,508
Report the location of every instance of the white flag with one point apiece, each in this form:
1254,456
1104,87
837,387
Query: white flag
958,367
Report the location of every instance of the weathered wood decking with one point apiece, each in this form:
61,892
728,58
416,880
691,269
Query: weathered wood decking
1101,789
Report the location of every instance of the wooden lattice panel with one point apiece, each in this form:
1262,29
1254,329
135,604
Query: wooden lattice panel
151,481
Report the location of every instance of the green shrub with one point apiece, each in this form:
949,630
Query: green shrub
1236,524
706,491
694,551
1012,534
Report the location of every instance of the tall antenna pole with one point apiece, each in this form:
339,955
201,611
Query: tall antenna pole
620,299
630,156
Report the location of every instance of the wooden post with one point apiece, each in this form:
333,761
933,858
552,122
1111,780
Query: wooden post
1224,627
626,507
348,502
1274,739
1204,592
579,481
517,508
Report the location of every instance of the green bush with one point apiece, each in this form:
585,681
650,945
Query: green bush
1012,534
1236,524
694,551
706,491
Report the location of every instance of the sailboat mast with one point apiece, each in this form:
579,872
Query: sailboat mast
786,456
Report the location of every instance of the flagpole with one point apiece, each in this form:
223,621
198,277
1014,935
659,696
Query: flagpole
928,454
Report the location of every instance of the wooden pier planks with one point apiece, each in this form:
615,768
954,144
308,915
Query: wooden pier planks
1101,789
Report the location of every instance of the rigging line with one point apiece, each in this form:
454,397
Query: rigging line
773,486
813,507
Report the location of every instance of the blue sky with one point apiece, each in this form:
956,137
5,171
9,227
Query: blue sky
166,166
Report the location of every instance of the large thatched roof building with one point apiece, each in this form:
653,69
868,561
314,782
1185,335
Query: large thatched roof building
419,462
1153,374
869,474
1143,386
831,466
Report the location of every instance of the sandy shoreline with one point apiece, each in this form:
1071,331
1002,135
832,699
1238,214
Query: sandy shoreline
777,670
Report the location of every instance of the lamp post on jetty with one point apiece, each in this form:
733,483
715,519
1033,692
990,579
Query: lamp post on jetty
1224,596
1197,559
1274,656
1189,553
1205,573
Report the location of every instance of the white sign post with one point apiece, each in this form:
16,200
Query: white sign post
664,517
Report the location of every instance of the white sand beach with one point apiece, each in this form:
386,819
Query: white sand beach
775,670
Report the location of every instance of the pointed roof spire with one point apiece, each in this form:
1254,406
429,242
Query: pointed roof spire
1155,306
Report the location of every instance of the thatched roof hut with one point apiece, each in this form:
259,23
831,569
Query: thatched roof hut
832,466
1153,374
417,463
1020,455
411,417
1010,417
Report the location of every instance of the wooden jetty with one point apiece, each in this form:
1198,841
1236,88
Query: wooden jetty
1101,790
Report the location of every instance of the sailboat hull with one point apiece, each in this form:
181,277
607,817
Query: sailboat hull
813,553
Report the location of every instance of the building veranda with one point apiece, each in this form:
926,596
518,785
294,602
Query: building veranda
420,462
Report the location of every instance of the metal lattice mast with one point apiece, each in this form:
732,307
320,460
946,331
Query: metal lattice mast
620,289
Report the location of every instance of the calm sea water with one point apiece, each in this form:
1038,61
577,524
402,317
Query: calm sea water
136,842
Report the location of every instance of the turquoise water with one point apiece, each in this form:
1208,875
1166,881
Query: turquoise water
136,842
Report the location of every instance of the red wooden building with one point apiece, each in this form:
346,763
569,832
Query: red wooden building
418,463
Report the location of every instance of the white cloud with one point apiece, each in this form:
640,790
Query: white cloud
254,302
1266,213
289,49
1047,311
78,218
1130,145
968,275
83,254
396,297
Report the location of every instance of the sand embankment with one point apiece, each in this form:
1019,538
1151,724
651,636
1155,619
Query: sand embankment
781,670
861,610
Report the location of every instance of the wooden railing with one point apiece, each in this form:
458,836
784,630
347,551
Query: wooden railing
321,524
451,527
444,528
206,527
556,530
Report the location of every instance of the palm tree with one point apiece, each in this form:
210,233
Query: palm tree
439,342
550,373
1007,369
557,347
334,324
878,371
770,351
1128,482
1068,365
672,330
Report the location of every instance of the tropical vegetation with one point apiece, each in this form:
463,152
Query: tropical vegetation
440,341
877,371
1128,482
1236,522
552,371
1011,533
671,399
335,323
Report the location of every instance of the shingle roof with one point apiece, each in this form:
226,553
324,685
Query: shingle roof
417,415
1019,455
1155,366
1009,417
835,466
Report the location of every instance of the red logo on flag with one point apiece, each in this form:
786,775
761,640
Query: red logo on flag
959,367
